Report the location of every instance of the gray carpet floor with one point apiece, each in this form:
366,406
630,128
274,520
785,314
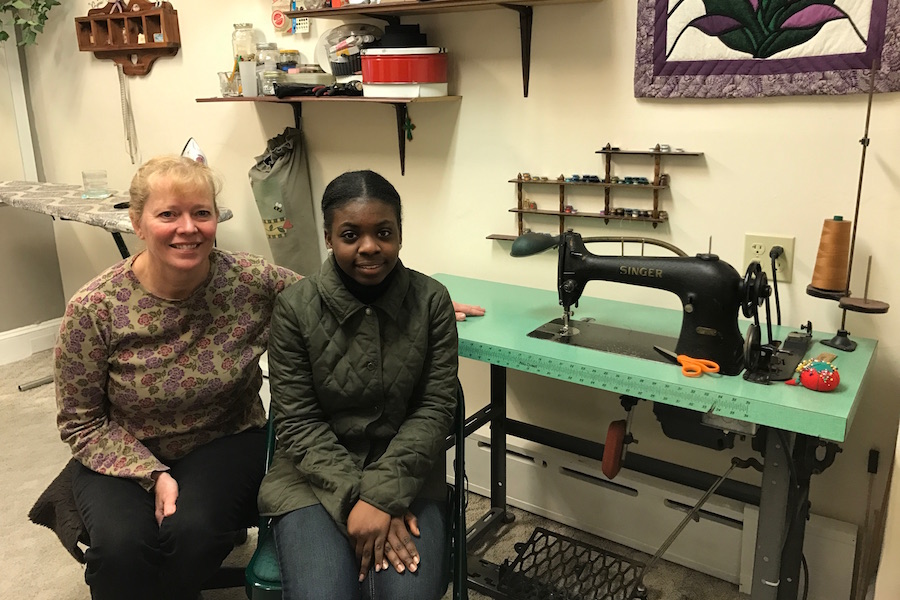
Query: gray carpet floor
36,566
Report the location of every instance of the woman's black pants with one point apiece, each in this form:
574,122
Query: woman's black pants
132,557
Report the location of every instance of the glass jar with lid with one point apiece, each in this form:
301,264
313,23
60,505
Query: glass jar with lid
243,42
267,81
267,56
288,59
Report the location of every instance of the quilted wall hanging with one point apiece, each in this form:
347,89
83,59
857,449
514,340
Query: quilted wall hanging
752,48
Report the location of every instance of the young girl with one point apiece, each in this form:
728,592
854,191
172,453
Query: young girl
363,364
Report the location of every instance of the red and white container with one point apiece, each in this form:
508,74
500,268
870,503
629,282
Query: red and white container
404,72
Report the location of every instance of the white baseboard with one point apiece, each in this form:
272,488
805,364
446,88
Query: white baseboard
640,512
20,343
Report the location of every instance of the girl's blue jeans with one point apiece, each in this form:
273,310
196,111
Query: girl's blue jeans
318,563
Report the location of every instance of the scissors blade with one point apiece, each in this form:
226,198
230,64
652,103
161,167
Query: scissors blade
668,354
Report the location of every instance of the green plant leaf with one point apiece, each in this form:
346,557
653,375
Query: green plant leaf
29,15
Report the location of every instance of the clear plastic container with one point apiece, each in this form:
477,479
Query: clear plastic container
243,42
267,56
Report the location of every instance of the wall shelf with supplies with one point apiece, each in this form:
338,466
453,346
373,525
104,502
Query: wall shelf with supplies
608,183
392,11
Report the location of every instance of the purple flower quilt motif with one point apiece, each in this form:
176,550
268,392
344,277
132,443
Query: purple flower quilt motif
763,28
123,294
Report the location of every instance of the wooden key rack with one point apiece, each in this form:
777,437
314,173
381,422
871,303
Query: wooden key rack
133,35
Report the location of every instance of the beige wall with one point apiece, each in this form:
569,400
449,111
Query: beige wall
776,166
32,289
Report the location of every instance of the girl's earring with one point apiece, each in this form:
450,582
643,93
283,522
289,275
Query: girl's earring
330,252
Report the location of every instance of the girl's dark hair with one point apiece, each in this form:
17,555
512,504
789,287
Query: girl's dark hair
355,185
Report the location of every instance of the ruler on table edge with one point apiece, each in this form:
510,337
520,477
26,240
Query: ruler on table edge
683,396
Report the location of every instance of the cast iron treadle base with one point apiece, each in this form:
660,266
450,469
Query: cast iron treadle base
552,566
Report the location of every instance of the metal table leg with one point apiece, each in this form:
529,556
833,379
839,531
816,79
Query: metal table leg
775,486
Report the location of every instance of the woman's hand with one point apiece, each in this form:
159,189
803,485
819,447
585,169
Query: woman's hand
367,527
463,310
399,549
166,490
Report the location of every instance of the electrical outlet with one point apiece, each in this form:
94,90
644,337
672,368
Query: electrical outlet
757,247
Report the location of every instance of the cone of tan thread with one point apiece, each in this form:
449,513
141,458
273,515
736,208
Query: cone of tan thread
830,271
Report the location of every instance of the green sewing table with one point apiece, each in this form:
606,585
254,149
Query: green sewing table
802,418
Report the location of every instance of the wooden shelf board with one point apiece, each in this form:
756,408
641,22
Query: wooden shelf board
643,186
293,99
589,215
131,48
417,8
649,153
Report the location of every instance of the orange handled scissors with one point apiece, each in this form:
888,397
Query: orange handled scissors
690,367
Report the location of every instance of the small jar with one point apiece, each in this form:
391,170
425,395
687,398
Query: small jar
267,56
267,81
243,42
288,59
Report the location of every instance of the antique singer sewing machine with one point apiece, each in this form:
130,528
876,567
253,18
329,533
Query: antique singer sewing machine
710,290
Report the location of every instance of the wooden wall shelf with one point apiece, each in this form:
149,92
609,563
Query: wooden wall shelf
608,183
400,108
133,36
392,11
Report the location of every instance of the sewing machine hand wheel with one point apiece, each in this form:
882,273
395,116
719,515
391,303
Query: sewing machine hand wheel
755,290
532,243
752,348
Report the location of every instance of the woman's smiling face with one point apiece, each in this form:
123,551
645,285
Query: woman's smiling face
178,227
365,237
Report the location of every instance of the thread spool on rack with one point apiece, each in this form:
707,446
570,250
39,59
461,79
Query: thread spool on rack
829,279
836,249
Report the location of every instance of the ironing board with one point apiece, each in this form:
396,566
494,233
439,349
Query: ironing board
64,201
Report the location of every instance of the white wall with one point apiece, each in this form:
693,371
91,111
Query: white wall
32,292
777,166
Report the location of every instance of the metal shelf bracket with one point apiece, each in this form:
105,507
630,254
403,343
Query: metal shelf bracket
526,16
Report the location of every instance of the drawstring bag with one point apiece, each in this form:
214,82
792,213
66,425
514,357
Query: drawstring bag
280,184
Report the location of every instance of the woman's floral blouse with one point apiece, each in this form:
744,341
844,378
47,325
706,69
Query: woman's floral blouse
141,380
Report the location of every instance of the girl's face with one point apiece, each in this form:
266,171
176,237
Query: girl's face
178,226
365,237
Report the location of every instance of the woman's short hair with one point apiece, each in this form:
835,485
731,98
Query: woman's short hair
355,185
181,173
